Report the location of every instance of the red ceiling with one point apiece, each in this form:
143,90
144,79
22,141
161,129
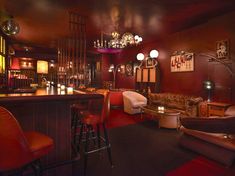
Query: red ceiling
42,22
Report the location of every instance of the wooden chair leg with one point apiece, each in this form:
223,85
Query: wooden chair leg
86,149
107,144
36,168
98,134
75,125
80,137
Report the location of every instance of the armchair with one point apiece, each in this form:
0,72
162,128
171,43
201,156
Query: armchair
213,137
133,101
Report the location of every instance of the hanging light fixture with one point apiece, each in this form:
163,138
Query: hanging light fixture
117,42
10,27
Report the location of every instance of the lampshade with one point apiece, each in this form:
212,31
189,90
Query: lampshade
42,67
208,85
15,64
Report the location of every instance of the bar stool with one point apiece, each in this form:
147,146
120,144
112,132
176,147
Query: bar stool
90,121
19,149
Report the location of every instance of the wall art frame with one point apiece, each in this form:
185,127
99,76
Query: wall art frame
222,49
182,63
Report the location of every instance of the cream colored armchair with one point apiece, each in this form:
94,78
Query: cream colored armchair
132,102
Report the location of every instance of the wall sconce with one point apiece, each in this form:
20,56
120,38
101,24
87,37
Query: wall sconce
208,86
149,61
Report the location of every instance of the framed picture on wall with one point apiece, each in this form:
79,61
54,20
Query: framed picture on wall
122,69
182,63
129,69
222,49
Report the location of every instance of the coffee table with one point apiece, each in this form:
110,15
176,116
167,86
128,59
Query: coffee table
167,118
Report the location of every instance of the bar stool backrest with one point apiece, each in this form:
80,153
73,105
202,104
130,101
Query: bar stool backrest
106,105
14,148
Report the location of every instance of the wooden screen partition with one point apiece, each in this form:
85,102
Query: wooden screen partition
138,75
72,52
148,77
145,75
152,75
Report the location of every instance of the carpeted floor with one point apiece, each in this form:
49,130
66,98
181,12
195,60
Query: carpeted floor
139,148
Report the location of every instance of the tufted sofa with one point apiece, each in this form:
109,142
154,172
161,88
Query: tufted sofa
187,105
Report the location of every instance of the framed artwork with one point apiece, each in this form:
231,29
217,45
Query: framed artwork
222,49
122,69
98,66
182,63
129,69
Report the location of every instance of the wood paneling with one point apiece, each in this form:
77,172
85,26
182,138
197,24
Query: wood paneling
50,115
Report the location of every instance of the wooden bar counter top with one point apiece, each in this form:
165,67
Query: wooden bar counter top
47,111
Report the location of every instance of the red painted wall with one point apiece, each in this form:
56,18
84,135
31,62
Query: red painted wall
199,39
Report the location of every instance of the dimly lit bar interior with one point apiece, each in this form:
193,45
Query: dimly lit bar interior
117,88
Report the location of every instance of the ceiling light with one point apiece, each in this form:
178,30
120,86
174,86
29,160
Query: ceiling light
10,27
117,42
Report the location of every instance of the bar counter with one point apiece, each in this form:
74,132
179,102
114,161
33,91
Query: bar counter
47,111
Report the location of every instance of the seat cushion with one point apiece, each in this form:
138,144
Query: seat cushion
137,104
90,119
39,144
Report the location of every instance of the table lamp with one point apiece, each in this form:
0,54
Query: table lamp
208,86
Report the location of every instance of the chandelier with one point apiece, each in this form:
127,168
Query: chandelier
116,41
10,27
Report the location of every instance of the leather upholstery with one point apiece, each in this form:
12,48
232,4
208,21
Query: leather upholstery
133,101
16,149
91,118
39,144
211,134
187,105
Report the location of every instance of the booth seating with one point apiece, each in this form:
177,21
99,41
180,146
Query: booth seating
116,98
133,101
212,137
20,149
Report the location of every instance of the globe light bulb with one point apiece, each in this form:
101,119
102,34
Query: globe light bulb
140,56
154,54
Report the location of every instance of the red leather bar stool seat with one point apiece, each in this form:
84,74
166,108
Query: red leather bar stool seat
19,149
39,144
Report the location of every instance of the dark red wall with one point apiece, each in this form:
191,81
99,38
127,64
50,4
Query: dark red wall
199,39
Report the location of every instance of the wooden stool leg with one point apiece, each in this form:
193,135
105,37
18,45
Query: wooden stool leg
98,134
107,144
80,137
86,149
